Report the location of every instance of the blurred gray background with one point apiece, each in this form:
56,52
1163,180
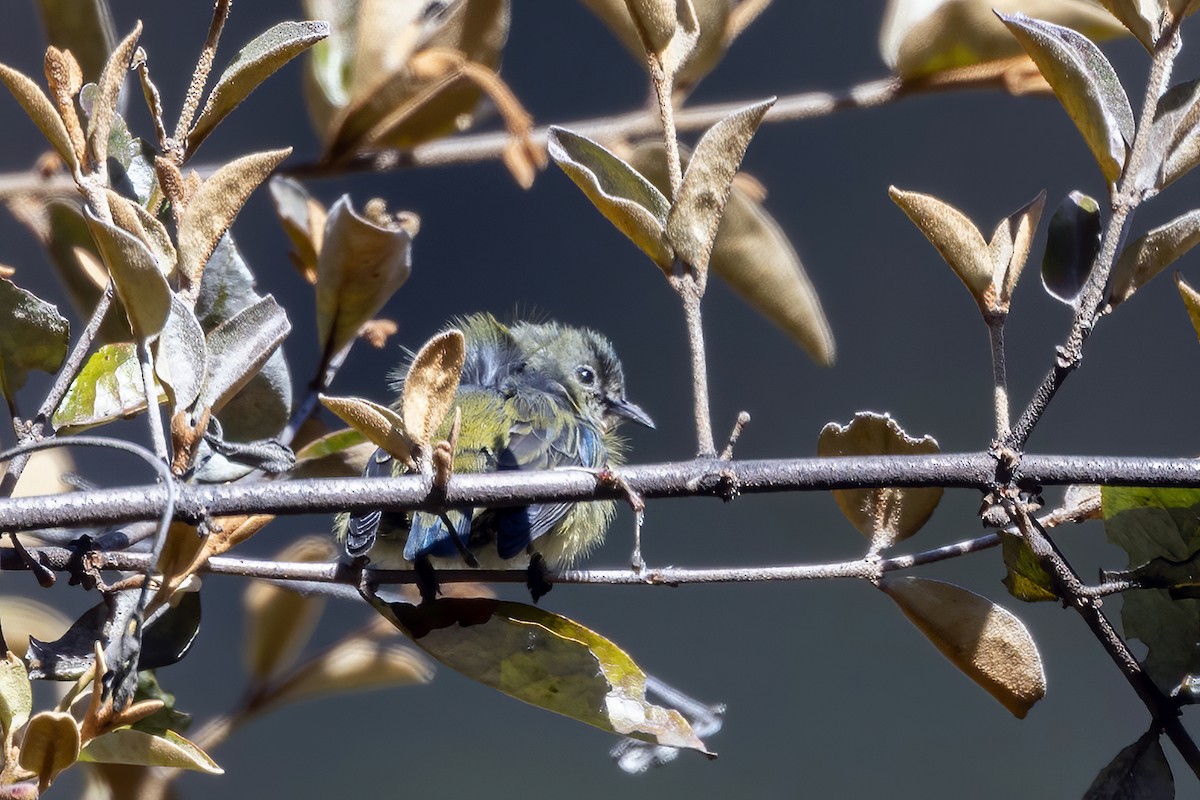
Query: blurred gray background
830,691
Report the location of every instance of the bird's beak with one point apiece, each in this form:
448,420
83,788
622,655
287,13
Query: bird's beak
630,411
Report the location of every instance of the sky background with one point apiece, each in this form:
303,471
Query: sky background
830,691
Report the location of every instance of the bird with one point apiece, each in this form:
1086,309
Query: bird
531,396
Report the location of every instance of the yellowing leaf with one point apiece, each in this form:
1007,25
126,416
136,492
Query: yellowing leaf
923,37
543,659
889,515
107,388
16,696
982,639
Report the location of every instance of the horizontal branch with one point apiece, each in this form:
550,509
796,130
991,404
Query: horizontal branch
696,478
61,559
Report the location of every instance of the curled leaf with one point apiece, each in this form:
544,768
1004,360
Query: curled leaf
104,104
984,640
134,269
239,347
363,261
630,202
955,237
51,744
430,385
890,515
1072,242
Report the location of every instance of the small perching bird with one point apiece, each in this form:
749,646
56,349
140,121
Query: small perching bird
531,396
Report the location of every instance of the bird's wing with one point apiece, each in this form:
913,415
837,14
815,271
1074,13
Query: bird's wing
543,440
479,437
364,526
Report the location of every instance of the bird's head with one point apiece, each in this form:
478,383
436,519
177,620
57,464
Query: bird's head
584,363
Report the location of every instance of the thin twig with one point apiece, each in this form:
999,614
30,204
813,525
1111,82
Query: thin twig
1128,195
191,101
995,324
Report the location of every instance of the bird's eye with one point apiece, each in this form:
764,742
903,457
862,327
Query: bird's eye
586,375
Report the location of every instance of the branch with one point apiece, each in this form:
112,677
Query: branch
697,478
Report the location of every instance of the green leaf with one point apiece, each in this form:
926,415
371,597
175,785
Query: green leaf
692,222
239,347
1180,578
16,696
1026,579
134,269
1151,253
330,444
544,660
41,111
33,335
984,640
1139,771
1072,242
129,746
1085,83
363,262
629,201
212,208
107,388
252,65
1149,524
890,515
